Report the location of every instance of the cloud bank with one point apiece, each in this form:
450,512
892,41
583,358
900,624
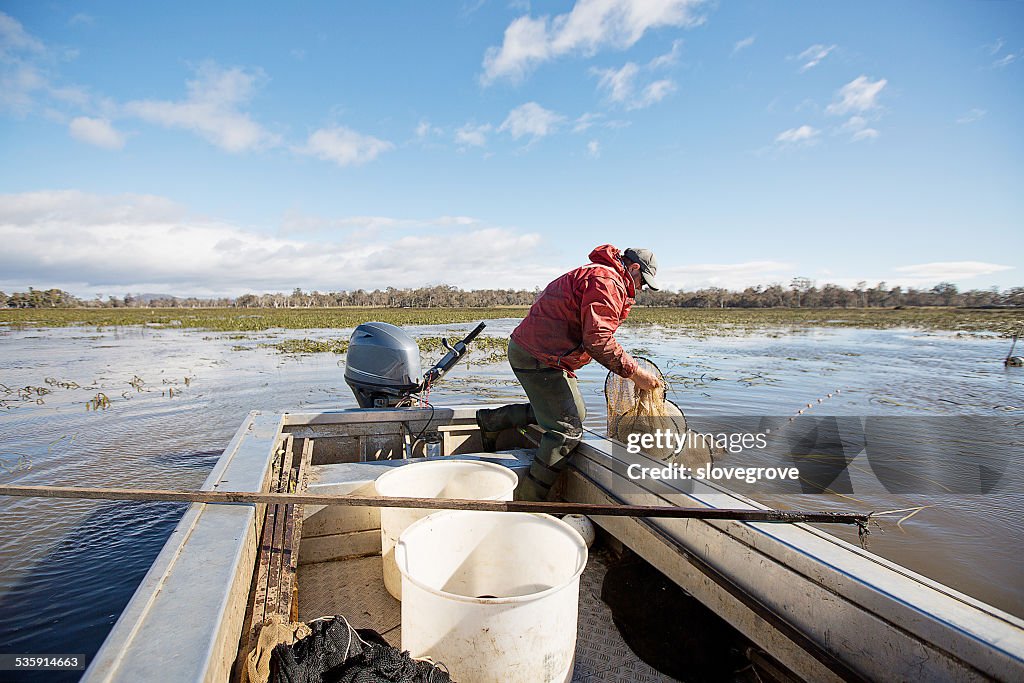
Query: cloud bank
124,243
590,26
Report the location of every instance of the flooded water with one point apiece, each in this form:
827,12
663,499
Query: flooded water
177,396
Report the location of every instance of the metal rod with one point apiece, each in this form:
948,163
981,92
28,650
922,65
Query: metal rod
553,508
1014,344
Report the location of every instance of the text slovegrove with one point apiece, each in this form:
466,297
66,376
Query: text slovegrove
750,475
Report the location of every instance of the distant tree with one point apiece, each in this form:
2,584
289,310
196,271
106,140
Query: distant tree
800,285
947,293
247,301
775,295
1014,296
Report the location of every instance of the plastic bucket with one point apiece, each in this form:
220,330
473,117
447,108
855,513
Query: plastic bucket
493,596
433,479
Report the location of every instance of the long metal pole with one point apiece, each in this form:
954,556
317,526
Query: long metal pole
554,508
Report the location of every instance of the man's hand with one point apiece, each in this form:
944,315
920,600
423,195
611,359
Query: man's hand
645,381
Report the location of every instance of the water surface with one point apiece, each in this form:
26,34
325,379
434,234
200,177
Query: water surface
177,396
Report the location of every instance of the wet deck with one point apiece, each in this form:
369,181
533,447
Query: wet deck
354,588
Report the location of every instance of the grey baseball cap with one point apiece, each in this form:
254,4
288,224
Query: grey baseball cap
648,264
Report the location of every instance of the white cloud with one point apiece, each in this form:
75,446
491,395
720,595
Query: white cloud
585,121
590,119
743,44
857,127
995,46
950,270
531,119
972,116
670,58
424,130
621,84
24,61
473,135
82,19
618,83
654,92
29,79
97,132
212,109
736,276
296,222
14,39
728,275
594,149
859,95
135,243
344,146
18,85
804,134
813,55
1006,60
35,208
590,26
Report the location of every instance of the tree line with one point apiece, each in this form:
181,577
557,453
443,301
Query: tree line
801,293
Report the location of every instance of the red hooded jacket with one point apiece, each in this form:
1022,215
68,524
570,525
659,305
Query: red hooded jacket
574,319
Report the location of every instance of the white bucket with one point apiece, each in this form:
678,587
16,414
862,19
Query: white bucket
472,479
493,596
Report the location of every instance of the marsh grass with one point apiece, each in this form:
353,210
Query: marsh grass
98,402
248,319
496,348
294,346
741,321
688,321
12,397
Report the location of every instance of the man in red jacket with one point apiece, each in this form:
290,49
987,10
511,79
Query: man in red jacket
572,322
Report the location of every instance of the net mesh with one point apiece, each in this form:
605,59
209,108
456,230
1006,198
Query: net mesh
633,412
626,403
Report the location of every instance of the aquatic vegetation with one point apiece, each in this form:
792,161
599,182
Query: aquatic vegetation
429,346
741,321
309,346
482,343
482,351
62,384
248,319
97,402
691,322
18,395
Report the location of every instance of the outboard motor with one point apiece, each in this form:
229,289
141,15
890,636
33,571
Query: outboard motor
383,364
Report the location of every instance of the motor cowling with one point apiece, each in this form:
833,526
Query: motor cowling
383,365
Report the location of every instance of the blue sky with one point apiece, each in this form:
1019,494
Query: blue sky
208,148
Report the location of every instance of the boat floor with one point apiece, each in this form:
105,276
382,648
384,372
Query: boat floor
355,588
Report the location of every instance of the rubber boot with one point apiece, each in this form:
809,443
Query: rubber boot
552,457
493,421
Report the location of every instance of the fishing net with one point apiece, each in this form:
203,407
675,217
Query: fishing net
633,413
335,652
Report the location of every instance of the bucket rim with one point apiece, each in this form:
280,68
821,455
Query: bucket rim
402,470
583,558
